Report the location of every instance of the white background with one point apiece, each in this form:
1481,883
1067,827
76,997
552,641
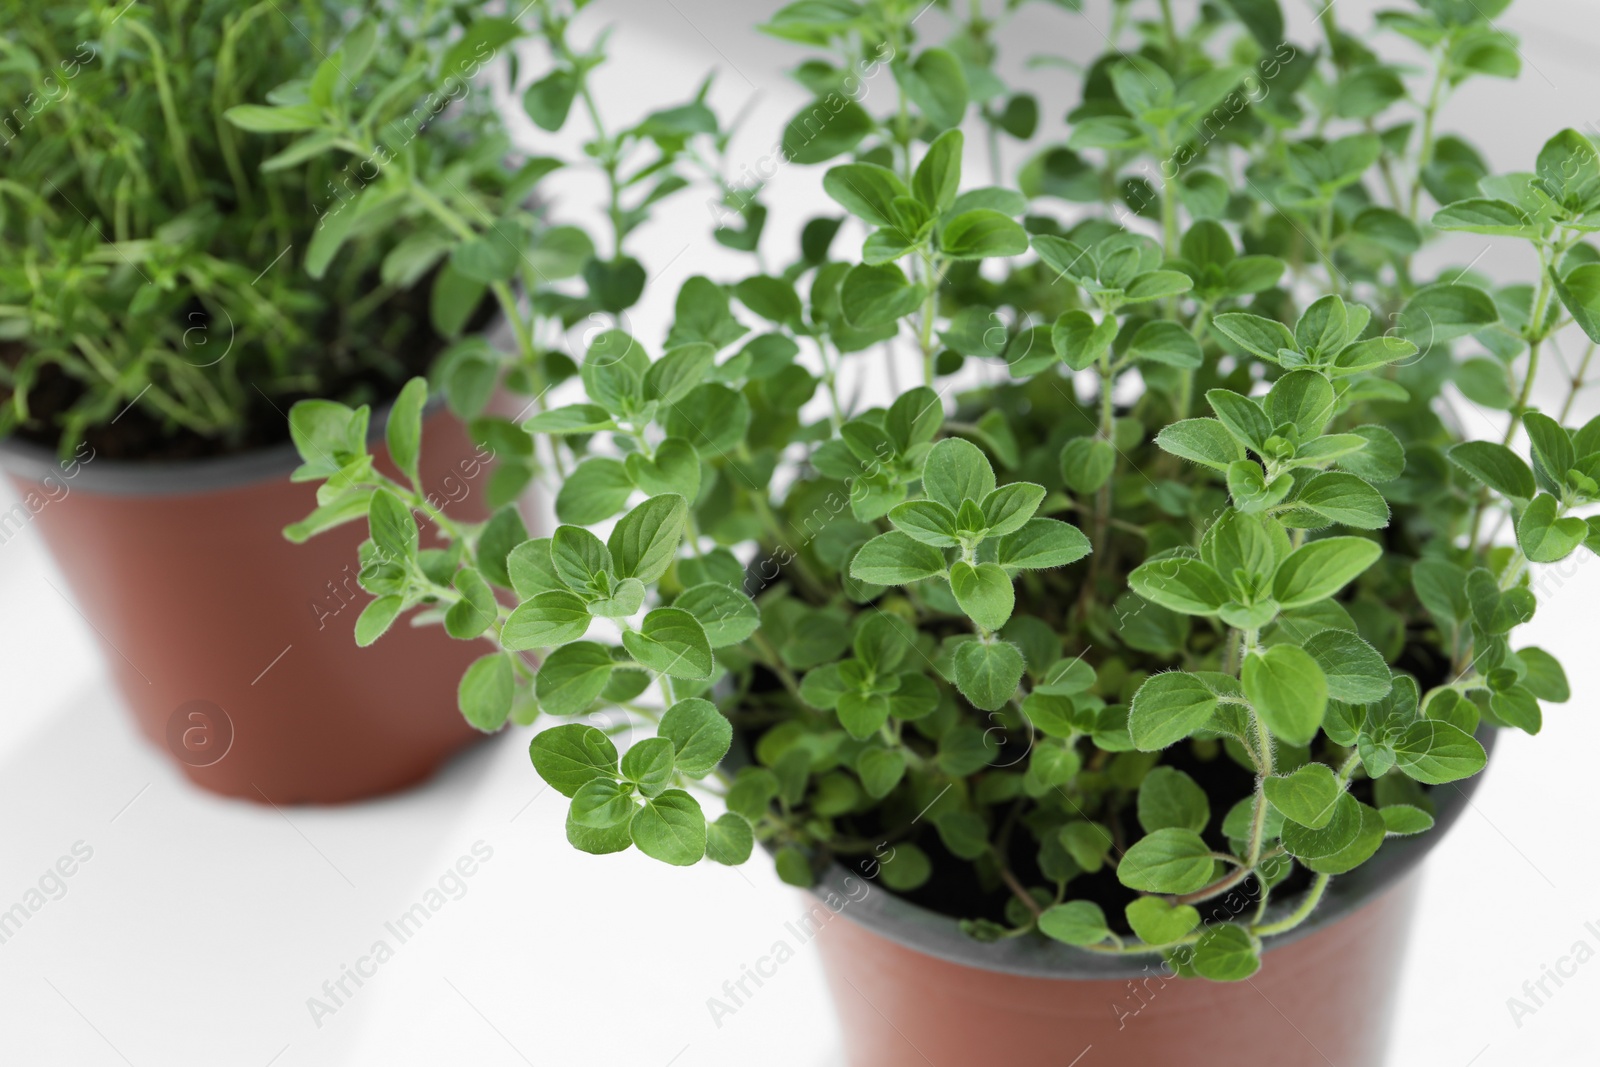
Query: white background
200,927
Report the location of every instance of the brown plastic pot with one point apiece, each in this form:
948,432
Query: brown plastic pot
913,991
233,647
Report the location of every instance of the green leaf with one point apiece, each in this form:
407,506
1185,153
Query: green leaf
671,641
678,371
575,418
957,470
393,528
1261,337
866,190
1579,291
1042,543
1156,285
1203,441
877,295
1264,20
615,285
1496,466
1226,952
1405,819
862,714
1370,832
602,804
1544,679
880,770
491,257
1335,496
1486,216
1308,796
927,521
646,539
1165,342
1552,448
475,611
1288,691
670,828
549,619
531,569
795,869
905,868
1009,507
1182,584
404,429
581,561
895,558
572,677
1169,797
1436,752
1087,463
1242,417
648,764
1077,922
1077,339
259,119
984,592
1544,537
674,470
730,839
1569,170
597,842
1443,312
570,756
1318,569
1157,922
699,733
1167,861
1337,832
1167,708
1355,671
595,491
938,176
982,234
1087,843
376,618
820,132
771,298
914,418
1304,399
987,673
727,615
549,99
1495,610
937,84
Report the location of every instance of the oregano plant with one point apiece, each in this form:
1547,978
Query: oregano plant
1175,581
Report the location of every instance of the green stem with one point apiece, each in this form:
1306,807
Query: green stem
930,308
1301,913
1425,151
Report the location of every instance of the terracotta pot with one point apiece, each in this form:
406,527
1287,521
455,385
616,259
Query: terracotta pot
913,991
235,648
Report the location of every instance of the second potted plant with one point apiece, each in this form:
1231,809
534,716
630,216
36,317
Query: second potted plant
1112,702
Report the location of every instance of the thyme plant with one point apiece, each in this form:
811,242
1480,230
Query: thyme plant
210,211
1177,583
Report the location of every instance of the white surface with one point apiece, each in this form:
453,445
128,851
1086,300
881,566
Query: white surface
200,928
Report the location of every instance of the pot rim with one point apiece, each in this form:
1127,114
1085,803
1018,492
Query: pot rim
934,934
187,477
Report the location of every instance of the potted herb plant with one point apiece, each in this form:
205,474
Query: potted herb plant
207,216
1110,697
